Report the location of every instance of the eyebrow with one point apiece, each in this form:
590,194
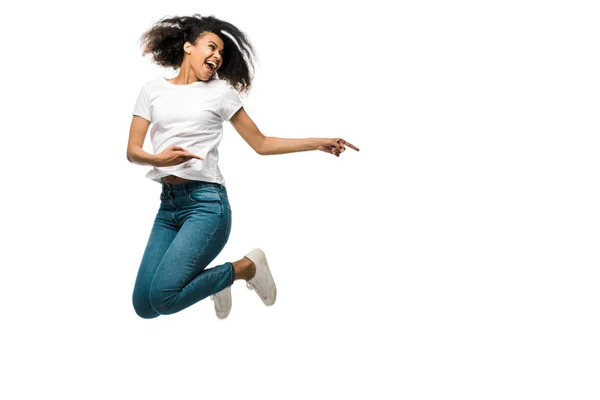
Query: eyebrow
216,45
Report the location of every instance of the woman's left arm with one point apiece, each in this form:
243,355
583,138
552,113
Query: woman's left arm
267,145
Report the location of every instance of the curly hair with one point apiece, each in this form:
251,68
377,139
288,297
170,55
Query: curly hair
165,40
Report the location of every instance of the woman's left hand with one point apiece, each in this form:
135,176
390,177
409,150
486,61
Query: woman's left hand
335,146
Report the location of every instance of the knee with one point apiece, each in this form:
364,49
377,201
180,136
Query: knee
143,308
160,302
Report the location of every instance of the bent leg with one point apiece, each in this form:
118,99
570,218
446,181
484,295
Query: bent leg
181,279
162,235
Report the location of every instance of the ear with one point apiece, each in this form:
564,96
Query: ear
187,47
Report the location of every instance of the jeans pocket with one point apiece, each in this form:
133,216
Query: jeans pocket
222,191
204,195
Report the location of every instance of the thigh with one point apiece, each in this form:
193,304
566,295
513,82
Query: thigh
163,232
202,236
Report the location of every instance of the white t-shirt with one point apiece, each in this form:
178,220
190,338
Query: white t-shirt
190,116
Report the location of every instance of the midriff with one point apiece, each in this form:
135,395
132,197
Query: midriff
174,180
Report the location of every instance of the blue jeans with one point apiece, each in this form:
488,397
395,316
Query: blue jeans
190,229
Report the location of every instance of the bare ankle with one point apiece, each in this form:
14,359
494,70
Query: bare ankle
244,269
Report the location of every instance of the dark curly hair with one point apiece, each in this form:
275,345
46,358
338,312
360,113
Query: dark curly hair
166,38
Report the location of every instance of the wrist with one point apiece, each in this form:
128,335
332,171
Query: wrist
153,160
316,142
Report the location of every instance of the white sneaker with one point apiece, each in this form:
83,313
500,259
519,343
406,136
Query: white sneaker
262,283
222,302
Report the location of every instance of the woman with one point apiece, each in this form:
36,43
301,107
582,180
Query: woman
187,112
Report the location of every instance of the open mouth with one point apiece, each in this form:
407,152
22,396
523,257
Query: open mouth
210,68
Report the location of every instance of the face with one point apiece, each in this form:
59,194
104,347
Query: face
206,57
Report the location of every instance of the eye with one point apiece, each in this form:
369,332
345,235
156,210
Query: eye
212,46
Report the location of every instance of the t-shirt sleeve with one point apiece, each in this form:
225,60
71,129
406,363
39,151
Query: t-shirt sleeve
142,105
230,103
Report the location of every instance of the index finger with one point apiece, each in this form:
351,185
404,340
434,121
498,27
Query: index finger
351,146
193,155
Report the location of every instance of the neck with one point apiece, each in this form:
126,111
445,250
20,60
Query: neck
186,74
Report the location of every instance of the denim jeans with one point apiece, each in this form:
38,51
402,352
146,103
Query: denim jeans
190,229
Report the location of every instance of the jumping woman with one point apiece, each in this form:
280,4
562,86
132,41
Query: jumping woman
187,113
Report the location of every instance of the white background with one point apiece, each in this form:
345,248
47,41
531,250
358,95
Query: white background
454,257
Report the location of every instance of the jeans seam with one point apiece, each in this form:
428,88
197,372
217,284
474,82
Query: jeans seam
190,285
226,203
206,244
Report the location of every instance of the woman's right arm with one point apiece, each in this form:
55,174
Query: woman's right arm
173,155
137,134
